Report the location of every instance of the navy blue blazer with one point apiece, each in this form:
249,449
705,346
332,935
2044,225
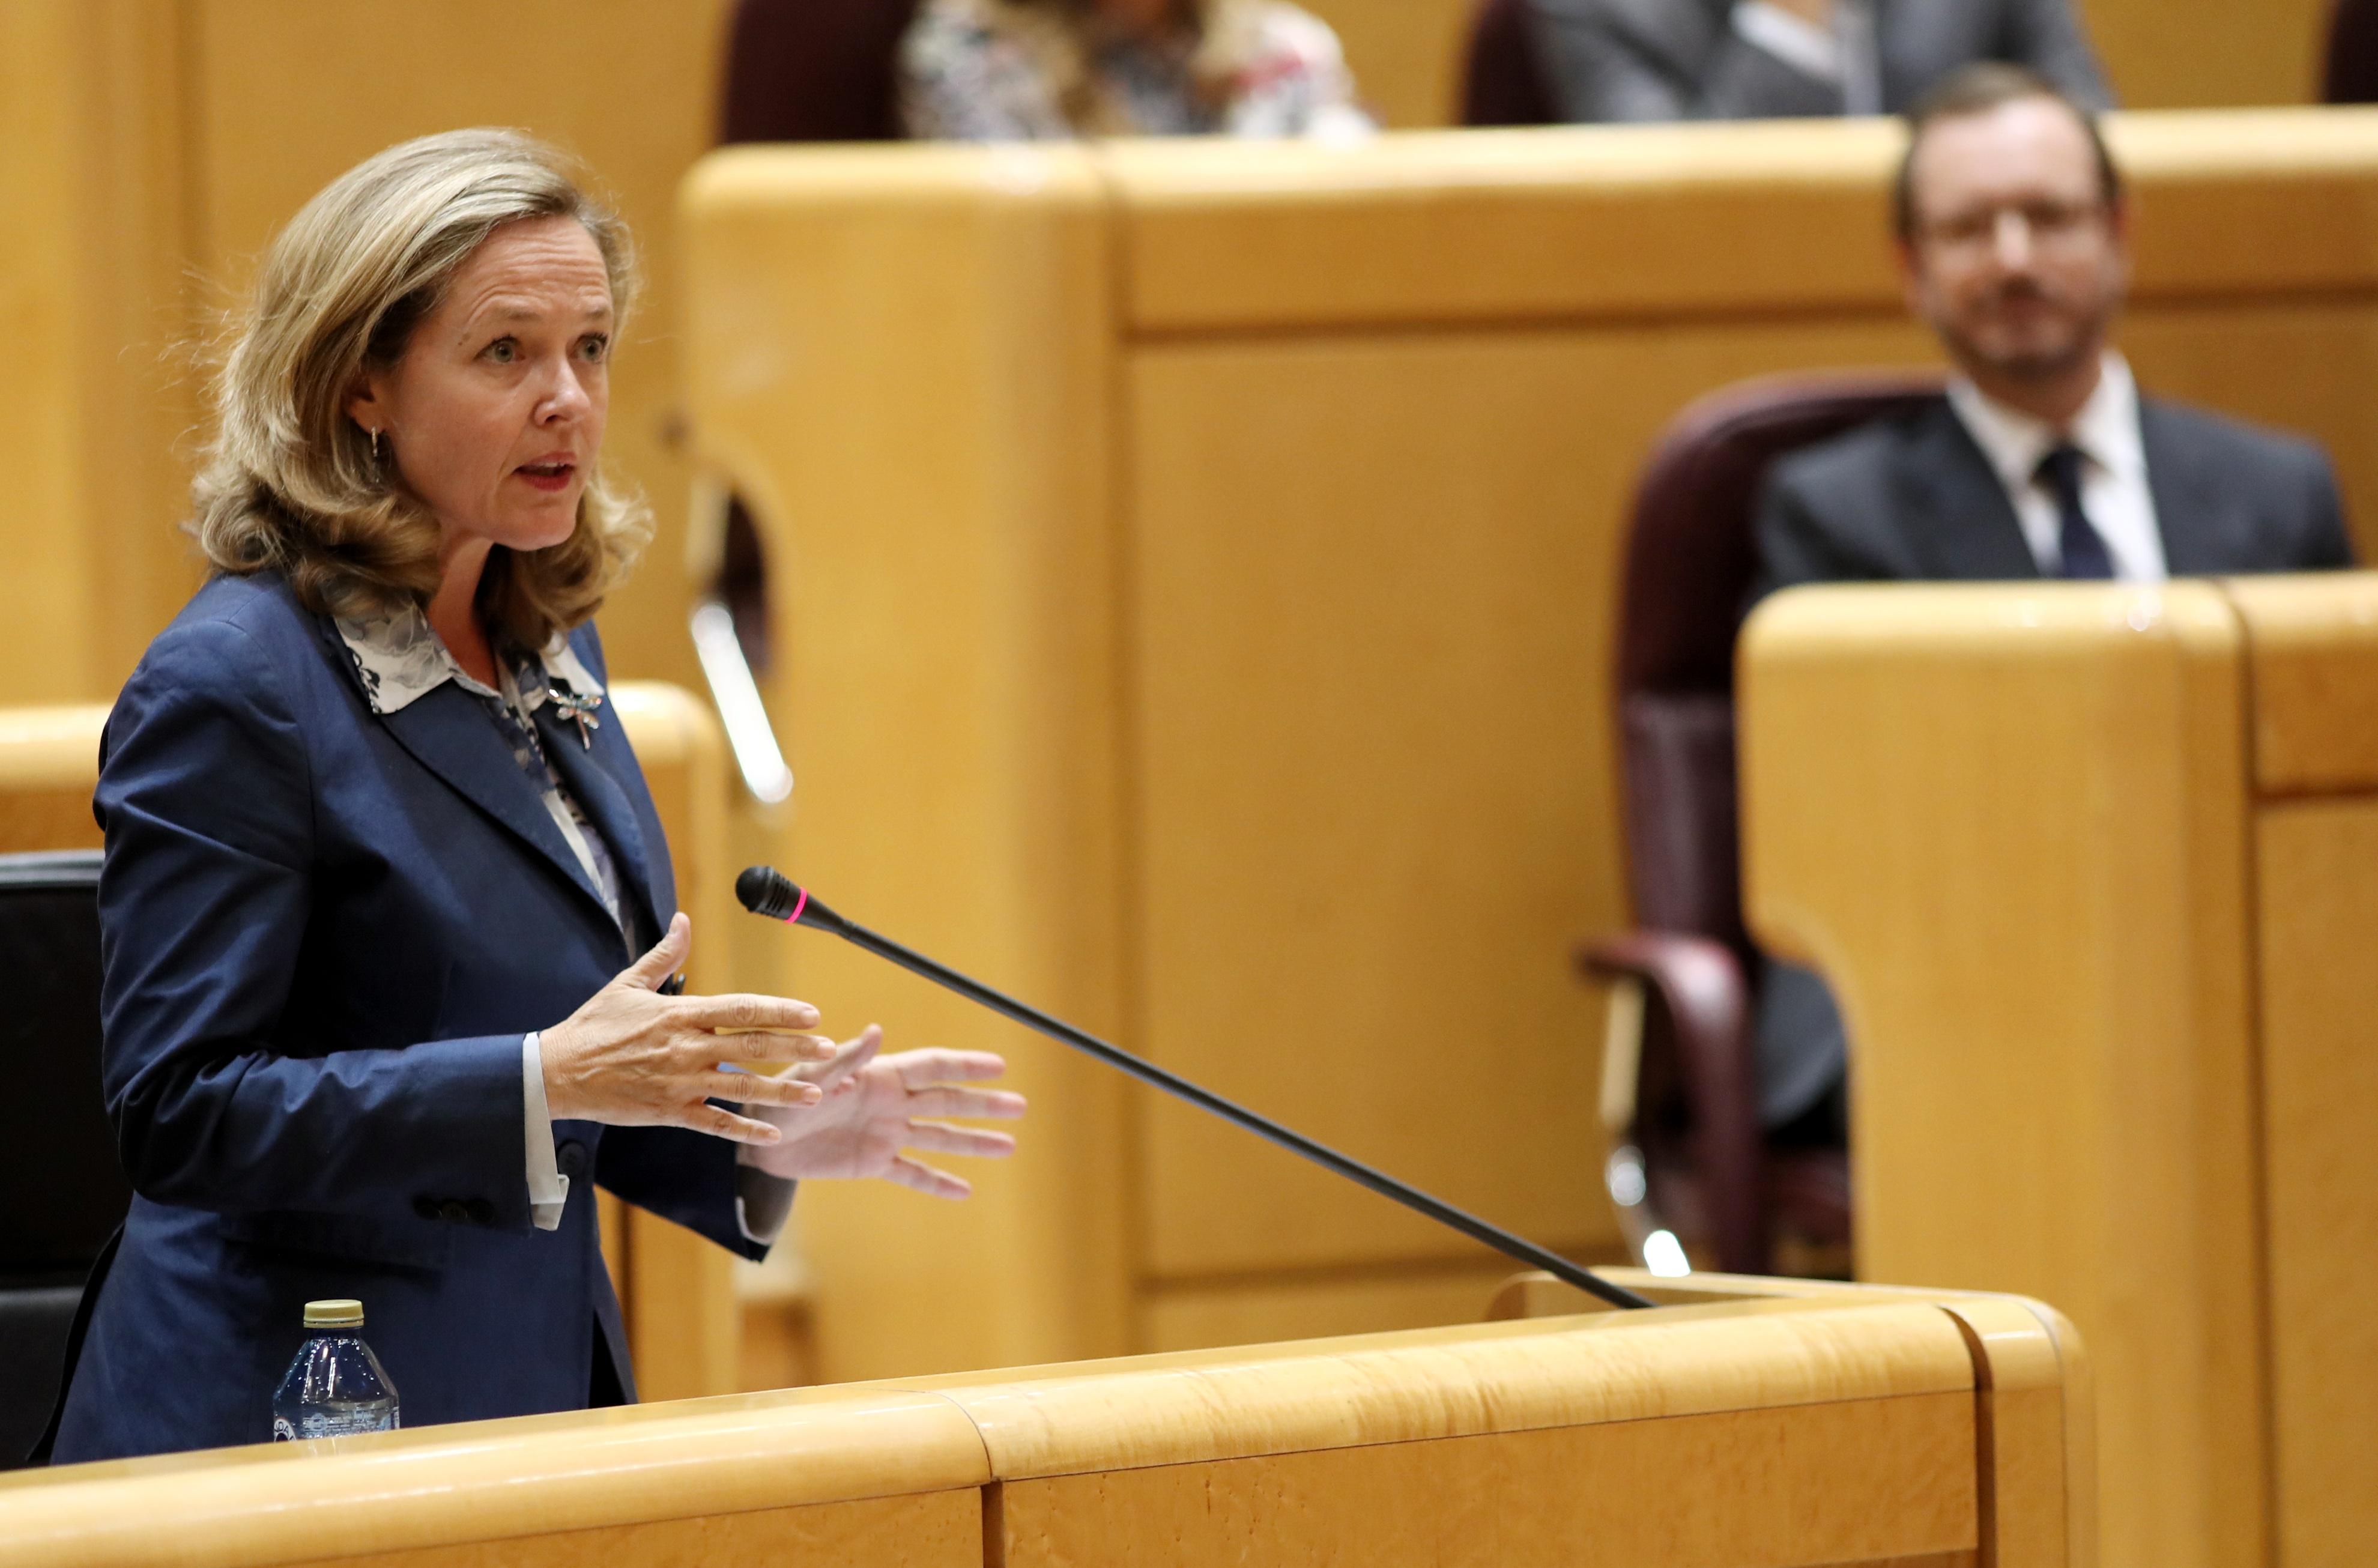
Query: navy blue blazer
324,931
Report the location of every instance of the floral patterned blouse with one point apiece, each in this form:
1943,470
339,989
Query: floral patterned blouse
986,70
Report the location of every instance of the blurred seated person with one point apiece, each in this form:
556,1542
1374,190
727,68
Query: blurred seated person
2043,459
1786,59
1027,70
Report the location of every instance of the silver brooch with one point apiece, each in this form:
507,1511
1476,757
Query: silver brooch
578,710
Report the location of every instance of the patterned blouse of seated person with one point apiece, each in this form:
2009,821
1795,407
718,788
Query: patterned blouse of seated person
1020,70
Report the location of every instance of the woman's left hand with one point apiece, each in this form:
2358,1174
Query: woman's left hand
867,1121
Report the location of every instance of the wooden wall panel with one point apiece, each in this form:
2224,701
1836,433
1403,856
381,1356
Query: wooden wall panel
1860,1481
931,1530
1242,1312
2317,869
2210,54
95,401
1374,589
49,765
2011,824
1309,467
906,371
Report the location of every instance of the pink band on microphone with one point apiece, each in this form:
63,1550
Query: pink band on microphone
795,917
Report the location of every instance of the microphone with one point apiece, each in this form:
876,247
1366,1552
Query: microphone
767,891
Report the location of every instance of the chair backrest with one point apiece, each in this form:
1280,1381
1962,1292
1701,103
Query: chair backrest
1690,558
2350,73
58,1164
813,70
1503,76
55,1145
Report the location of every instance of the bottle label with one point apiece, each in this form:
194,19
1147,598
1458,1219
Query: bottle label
335,1423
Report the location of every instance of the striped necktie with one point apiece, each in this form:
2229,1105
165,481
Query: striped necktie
2079,546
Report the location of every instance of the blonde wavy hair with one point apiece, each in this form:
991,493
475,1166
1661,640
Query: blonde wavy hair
289,483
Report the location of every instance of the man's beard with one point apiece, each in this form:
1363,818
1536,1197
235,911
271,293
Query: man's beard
2043,363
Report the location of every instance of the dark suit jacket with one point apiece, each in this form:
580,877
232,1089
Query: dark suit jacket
1681,59
324,932
1914,500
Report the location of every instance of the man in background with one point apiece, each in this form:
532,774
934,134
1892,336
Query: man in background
2042,459
1773,59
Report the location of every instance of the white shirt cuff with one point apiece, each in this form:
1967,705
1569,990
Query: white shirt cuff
549,1189
763,1202
1800,44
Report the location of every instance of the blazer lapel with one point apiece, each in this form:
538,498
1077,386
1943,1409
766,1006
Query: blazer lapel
2199,531
448,734
586,767
1962,522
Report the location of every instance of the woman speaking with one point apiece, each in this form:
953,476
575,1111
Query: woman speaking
381,863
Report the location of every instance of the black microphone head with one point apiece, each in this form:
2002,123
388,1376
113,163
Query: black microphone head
765,891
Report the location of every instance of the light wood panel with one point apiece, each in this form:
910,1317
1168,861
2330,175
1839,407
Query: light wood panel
1595,1493
1181,1315
1307,468
935,1530
49,765
2317,866
2313,645
91,304
594,1476
2091,869
152,148
1781,217
2214,54
904,371
2011,825
1793,1429
2036,1426
677,1289
1373,594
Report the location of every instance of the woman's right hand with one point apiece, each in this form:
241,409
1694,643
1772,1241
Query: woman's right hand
633,1057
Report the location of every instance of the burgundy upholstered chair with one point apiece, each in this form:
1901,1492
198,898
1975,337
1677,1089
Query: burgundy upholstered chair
2350,75
813,70
1691,1158
1503,77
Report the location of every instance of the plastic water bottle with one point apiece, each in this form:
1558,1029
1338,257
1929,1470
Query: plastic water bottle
336,1387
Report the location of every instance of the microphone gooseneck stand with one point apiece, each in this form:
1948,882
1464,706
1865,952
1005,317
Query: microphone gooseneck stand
766,891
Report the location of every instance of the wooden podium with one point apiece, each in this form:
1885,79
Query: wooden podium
1752,1425
2095,872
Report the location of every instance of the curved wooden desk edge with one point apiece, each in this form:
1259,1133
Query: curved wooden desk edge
488,1481
44,748
2034,1391
1499,1378
480,1481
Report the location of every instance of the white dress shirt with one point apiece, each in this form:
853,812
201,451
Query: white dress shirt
2114,489
401,659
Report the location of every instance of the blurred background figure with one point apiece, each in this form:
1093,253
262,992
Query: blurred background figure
1774,59
1016,70
2042,459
